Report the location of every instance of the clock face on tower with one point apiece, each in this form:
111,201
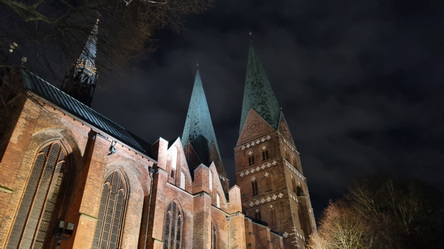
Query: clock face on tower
253,126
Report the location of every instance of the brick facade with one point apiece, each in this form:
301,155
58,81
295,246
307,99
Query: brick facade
274,190
156,196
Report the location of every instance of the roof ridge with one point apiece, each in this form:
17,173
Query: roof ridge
74,99
82,111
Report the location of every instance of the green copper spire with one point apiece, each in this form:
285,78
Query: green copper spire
199,132
258,94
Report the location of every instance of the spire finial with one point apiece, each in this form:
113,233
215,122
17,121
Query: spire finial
197,64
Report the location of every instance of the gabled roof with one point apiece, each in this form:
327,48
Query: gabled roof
198,130
258,94
81,111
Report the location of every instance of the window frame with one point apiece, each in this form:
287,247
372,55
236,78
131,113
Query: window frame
109,208
46,161
174,222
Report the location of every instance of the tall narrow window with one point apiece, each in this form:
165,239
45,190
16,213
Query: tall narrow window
251,160
213,237
254,189
173,157
267,180
40,204
173,227
293,184
182,180
264,155
218,200
173,162
272,216
111,212
210,180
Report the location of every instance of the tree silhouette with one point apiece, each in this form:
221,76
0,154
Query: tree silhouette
342,227
383,212
51,33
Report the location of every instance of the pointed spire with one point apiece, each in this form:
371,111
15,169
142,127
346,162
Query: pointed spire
90,49
199,132
80,81
258,94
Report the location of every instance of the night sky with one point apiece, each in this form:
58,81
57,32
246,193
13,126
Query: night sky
360,83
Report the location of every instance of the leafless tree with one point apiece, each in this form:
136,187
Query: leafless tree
380,212
341,227
50,33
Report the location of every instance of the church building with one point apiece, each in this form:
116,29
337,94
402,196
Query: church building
72,178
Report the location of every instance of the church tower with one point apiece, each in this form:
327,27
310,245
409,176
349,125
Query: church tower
80,81
198,137
268,167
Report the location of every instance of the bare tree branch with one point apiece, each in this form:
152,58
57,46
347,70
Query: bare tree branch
28,13
59,29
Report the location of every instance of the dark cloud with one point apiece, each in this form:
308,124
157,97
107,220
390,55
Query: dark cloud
360,83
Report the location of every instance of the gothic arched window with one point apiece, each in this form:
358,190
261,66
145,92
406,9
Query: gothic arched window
39,209
111,212
173,227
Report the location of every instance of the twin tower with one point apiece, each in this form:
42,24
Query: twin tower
268,167
71,178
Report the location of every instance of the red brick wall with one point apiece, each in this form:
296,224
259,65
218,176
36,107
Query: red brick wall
39,123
